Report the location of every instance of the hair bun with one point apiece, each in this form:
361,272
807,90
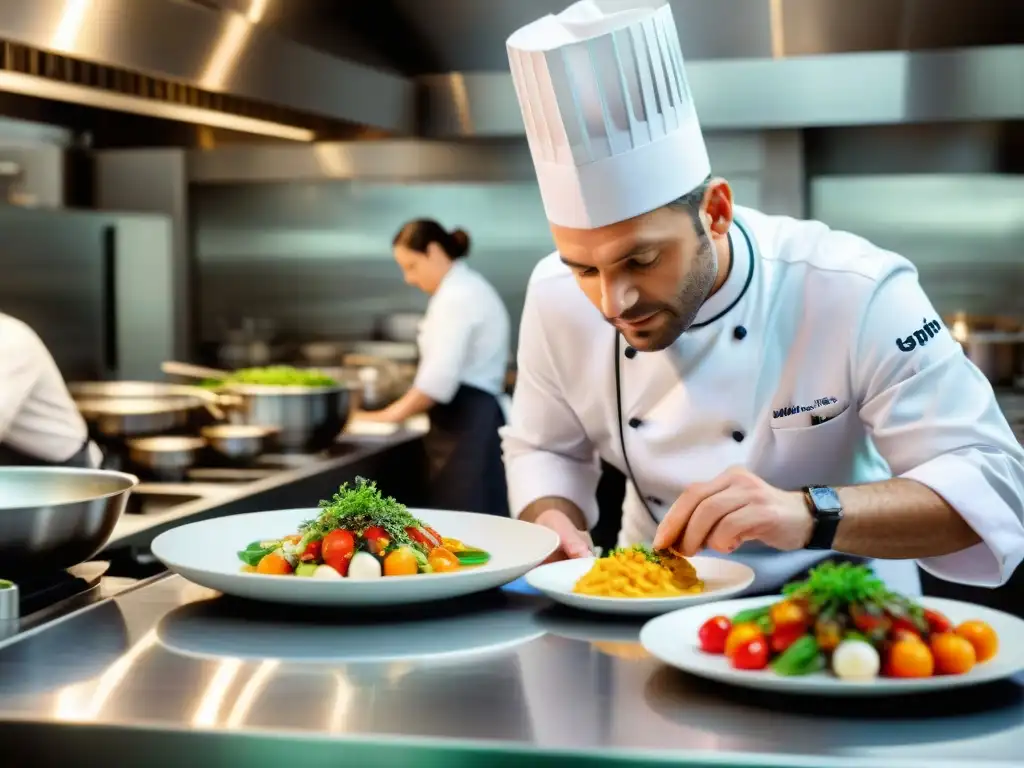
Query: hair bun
460,241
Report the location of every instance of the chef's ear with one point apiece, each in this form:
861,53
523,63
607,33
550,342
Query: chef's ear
718,207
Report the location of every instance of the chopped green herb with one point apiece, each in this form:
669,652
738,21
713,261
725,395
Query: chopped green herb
356,508
275,376
647,552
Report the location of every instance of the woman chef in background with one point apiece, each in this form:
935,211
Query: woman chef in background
463,356
774,390
39,422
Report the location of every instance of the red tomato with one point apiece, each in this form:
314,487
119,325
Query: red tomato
712,634
424,536
312,552
937,623
866,622
904,625
751,655
784,636
377,539
338,548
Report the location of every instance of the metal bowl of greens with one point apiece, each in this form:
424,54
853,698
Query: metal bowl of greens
307,408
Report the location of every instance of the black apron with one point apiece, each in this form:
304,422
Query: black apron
12,457
465,470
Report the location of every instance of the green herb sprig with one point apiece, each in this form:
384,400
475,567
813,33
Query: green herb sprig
646,551
836,585
356,508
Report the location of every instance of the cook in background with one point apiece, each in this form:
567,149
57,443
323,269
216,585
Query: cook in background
39,422
463,355
773,389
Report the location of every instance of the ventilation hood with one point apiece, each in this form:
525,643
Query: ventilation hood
197,62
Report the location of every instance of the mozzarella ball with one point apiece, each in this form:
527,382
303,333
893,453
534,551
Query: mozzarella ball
325,572
855,660
364,566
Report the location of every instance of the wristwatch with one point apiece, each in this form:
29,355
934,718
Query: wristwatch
827,510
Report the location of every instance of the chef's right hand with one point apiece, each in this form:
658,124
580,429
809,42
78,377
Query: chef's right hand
575,543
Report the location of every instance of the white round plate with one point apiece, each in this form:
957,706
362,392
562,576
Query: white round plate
206,553
722,578
673,639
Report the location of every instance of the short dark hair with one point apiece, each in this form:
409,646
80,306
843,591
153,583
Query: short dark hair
417,234
692,200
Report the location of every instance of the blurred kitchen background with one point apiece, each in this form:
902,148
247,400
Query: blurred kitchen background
219,181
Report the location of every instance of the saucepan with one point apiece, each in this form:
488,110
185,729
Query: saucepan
306,418
240,443
52,518
117,409
167,457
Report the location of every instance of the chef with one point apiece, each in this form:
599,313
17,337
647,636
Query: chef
39,422
774,390
464,346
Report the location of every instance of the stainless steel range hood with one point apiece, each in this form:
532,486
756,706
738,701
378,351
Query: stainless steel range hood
183,60
757,64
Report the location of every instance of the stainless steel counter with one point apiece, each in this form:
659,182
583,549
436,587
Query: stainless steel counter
168,669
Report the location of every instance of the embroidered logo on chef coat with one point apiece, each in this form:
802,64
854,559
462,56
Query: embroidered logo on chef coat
919,338
818,411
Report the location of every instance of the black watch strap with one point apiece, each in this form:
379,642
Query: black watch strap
827,510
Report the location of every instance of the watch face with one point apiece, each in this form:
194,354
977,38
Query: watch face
826,499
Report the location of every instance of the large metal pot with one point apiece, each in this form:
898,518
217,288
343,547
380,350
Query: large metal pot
307,419
52,518
117,409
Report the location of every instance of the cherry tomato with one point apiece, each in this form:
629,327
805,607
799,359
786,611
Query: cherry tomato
338,547
867,621
401,562
909,635
443,561
954,655
712,634
785,635
377,539
937,622
982,637
787,612
905,627
910,658
752,654
274,565
741,634
424,536
828,634
312,552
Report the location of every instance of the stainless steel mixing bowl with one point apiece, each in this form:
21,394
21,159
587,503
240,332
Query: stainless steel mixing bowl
52,518
307,419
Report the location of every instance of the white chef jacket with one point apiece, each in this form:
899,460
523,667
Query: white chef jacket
37,414
464,337
809,322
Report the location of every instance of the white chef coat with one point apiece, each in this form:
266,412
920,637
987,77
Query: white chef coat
809,321
464,337
37,414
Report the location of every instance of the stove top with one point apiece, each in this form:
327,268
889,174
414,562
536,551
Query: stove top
44,597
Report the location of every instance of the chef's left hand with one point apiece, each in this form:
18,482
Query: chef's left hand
735,507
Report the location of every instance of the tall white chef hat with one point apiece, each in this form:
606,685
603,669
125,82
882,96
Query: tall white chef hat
609,116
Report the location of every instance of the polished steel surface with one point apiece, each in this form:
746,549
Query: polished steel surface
892,87
52,518
238,442
306,418
219,51
505,672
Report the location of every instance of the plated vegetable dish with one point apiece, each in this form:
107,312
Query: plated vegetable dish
844,619
360,534
640,572
275,376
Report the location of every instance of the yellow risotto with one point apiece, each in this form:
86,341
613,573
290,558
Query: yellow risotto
639,572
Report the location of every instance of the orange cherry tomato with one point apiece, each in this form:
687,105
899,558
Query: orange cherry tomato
787,612
909,635
982,637
713,633
910,658
739,635
954,655
273,564
401,562
752,654
443,561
